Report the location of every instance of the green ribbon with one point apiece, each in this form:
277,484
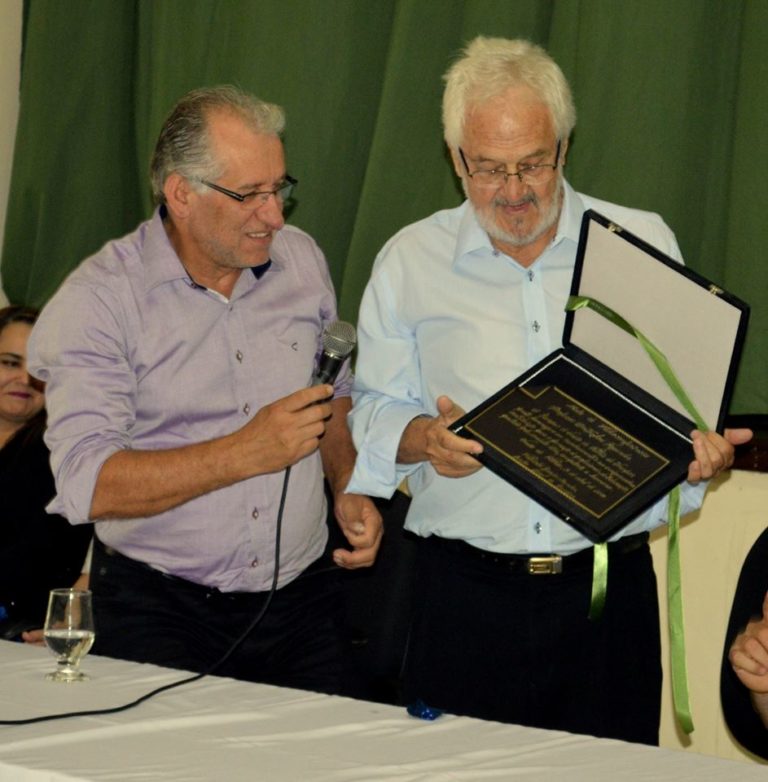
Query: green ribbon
658,358
599,581
679,673
675,617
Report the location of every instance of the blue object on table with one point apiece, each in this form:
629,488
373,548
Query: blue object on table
423,712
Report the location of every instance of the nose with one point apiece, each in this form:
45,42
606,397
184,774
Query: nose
513,183
271,212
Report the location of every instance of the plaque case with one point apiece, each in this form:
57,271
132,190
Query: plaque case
593,432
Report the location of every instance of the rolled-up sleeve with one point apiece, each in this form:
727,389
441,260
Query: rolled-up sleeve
76,348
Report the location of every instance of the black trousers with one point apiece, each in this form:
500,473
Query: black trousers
490,640
141,614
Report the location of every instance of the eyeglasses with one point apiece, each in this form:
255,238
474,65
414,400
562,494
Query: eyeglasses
282,192
538,174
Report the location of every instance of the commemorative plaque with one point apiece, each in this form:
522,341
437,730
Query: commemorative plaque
594,432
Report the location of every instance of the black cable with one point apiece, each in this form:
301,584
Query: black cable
196,677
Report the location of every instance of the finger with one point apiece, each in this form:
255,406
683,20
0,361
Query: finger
738,436
307,396
765,606
452,443
360,557
750,653
756,683
701,454
457,467
720,450
741,660
359,519
713,455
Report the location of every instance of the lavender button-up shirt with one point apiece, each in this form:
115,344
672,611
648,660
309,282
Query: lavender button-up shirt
137,356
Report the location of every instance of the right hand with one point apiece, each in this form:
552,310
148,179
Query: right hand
33,637
749,653
285,431
451,456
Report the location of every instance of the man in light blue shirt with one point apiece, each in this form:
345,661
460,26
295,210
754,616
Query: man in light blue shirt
458,305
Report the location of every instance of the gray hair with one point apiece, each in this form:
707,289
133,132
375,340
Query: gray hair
183,146
490,66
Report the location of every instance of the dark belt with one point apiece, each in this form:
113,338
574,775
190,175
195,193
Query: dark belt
244,599
538,564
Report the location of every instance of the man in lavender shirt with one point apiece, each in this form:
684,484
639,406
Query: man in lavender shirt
179,363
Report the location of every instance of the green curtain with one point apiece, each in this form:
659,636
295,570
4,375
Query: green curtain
671,95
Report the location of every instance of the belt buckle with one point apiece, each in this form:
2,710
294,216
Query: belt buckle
545,566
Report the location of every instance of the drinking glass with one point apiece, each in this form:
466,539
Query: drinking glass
69,632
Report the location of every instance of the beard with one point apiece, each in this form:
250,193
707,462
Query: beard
486,216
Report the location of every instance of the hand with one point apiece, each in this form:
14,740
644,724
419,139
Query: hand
361,523
714,453
450,455
34,637
749,653
284,432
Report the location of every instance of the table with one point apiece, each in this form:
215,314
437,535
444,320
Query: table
226,730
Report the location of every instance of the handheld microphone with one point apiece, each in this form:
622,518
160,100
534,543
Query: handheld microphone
339,340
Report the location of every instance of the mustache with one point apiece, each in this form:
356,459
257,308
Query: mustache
528,198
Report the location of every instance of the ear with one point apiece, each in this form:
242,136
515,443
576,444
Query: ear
458,166
177,191
563,152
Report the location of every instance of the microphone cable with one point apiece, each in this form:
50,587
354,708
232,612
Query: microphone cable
195,677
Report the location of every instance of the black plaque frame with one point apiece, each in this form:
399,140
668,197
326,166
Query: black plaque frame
533,430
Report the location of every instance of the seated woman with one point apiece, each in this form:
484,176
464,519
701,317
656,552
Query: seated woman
744,674
38,552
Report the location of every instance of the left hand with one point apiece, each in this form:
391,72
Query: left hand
714,453
361,523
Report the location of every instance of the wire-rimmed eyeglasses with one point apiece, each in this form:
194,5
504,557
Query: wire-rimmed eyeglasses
537,174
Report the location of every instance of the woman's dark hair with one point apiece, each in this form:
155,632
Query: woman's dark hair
17,313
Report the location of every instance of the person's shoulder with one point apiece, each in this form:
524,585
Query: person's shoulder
293,238
97,291
295,251
432,237
444,222
116,260
648,226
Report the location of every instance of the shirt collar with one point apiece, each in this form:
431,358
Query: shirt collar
166,265
569,225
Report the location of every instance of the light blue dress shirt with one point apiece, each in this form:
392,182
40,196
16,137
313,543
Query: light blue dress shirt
137,356
446,313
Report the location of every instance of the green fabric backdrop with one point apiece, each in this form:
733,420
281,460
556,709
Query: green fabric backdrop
671,94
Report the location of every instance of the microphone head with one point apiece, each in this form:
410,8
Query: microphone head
339,338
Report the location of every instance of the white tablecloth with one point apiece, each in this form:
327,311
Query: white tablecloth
225,730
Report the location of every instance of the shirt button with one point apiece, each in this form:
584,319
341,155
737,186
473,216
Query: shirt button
239,356
255,513
530,275
536,326
537,527
254,563
246,408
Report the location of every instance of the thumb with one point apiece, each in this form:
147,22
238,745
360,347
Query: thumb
448,410
738,436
